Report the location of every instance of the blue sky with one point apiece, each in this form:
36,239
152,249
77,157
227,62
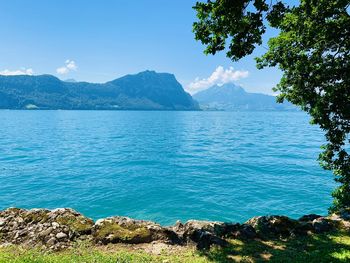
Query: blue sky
98,41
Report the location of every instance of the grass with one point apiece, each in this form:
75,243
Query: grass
93,254
332,247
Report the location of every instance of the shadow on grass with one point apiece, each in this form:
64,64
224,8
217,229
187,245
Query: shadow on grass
331,247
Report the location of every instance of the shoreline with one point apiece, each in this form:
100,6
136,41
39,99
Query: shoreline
61,228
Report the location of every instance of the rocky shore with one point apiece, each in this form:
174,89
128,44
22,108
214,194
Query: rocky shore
60,228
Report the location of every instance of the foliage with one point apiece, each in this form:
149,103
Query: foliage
313,52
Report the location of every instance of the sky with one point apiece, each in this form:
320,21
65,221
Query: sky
98,41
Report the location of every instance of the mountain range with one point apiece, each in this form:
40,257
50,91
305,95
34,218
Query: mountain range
147,90
230,97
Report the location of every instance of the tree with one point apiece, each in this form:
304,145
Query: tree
313,52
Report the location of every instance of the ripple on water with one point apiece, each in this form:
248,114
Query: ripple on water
163,166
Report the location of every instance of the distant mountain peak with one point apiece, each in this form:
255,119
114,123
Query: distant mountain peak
148,71
228,87
232,97
152,73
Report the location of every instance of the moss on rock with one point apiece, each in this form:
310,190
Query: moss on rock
36,216
113,232
79,224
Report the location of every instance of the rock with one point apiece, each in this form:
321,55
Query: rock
322,225
127,230
59,228
19,220
22,232
36,227
34,216
14,224
267,226
306,225
55,225
203,233
46,232
215,228
61,235
99,222
51,242
243,231
304,228
205,239
74,221
339,222
309,218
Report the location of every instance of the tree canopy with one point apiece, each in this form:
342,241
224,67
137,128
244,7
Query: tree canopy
313,51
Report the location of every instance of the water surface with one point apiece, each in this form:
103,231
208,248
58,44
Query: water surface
163,166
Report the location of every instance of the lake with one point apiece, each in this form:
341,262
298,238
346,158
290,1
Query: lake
163,166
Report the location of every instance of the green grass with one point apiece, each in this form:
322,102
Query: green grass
332,247
86,253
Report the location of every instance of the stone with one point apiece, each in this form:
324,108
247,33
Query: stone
22,232
267,226
19,220
243,231
322,225
14,224
339,222
46,232
127,230
36,227
99,222
304,228
73,221
309,217
55,225
203,233
215,228
61,235
59,228
35,216
51,242
204,239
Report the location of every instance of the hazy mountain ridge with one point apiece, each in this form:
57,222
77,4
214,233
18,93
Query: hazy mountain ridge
232,97
147,90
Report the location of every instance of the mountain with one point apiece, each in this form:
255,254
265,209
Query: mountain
232,97
70,80
147,90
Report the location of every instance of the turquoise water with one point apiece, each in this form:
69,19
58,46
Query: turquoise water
163,166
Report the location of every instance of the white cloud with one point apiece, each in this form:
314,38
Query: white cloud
68,67
22,71
62,70
219,77
70,64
